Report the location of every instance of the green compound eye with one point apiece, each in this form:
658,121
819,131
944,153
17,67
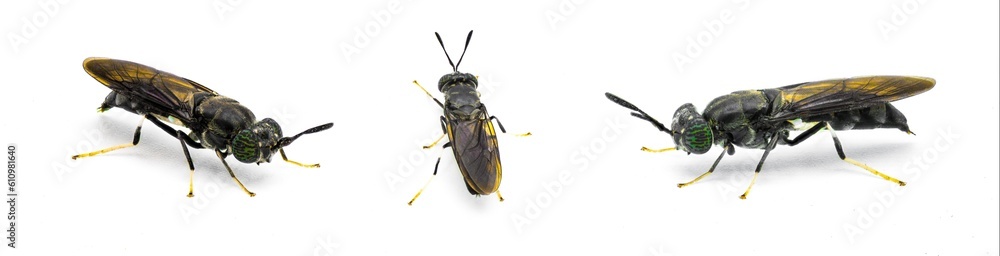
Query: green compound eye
245,148
691,132
697,138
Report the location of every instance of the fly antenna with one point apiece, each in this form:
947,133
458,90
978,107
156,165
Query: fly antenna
288,140
638,113
467,39
453,67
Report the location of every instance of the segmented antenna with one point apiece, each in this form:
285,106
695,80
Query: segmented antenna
638,112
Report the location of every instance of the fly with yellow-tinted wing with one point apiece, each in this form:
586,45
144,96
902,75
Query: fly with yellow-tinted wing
216,122
141,89
762,119
469,128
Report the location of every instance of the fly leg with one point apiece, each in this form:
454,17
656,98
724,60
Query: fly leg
436,164
651,150
840,152
494,118
784,139
223,159
439,104
185,142
710,170
283,157
184,139
187,155
444,128
428,93
135,141
435,142
770,146
805,135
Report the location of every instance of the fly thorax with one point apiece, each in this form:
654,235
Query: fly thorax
462,102
256,143
690,130
225,115
220,118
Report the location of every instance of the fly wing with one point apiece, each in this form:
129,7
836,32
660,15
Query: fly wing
829,96
475,146
166,93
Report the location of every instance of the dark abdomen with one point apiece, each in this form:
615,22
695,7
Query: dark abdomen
130,104
878,116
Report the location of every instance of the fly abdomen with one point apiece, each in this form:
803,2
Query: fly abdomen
118,100
878,116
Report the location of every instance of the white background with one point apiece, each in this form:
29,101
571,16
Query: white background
580,185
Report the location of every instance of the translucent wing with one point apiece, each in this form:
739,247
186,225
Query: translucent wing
475,146
829,96
165,93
